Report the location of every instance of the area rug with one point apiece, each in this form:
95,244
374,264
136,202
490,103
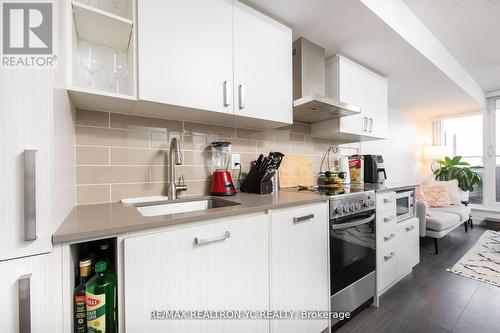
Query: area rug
482,261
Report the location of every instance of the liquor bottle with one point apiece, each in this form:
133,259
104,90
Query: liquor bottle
79,300
104,254
101,301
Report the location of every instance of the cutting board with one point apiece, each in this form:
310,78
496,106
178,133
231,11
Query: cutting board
295,170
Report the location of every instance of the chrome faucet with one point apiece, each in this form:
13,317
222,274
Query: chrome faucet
174,159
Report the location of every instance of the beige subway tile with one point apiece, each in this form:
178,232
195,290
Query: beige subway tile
300,128
197,142
110,137
92,118
197,157
196,172
243,133
121,191
223,131
92,155
306,148
241,146
160,140
88,194
197,188
138,156
247,158
265,147
112,174
297,137
145,123
281,136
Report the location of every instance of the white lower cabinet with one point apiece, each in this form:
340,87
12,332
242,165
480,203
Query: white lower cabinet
217,266
397,251
300,265
31,294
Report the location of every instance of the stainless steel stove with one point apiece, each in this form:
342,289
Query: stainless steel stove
352,251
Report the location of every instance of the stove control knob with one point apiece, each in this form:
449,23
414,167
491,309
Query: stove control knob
352,207
366,204
346,208
339,210
358,206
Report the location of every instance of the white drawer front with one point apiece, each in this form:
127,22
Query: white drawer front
386,220
386,202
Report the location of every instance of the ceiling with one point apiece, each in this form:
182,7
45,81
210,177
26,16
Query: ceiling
470,30
350,28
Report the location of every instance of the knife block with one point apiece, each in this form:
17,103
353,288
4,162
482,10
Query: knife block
253,183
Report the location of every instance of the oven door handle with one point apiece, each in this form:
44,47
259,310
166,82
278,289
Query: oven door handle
354,223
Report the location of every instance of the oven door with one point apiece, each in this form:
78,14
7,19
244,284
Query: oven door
352,249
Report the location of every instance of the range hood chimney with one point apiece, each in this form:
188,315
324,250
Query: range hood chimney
310,104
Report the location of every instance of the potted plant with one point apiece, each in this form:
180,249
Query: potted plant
463,172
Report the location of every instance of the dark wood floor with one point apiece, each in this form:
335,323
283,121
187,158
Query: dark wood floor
430,299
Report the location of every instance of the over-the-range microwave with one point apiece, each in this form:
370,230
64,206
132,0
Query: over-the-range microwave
405,205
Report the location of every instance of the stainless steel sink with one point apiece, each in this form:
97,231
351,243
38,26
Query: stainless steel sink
183,206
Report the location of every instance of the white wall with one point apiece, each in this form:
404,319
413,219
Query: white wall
400,151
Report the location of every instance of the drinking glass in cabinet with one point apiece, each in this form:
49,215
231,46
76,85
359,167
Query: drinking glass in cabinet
91,61
119,71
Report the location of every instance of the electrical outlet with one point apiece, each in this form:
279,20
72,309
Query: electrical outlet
235,158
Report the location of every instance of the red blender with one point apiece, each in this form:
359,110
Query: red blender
222,184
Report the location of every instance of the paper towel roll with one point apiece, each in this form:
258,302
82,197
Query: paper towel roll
344,167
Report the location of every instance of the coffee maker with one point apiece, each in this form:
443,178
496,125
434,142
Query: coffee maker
222,184
374,169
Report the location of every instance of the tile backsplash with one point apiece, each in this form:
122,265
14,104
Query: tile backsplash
120,156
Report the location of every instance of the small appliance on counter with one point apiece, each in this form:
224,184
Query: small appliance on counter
222,183
259,178
374,169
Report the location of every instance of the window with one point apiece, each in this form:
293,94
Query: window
463,136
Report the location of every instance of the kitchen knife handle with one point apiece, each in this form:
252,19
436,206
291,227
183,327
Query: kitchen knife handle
24,295
29,194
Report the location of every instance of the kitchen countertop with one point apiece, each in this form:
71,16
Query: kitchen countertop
100,220
386,187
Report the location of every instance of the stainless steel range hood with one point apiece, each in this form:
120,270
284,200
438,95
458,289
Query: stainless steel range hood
310,104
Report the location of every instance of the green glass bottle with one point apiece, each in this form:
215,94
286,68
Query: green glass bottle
101,301
79,301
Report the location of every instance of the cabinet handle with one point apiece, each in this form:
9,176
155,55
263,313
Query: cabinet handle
391,255
387,200
388,238
371,125
410,228
303,218
241,92
29,194
388,219
227,93
365,123
24,294
212,239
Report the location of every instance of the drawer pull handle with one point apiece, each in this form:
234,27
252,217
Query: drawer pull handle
29,194
388,219
388,238
206,240
410,228
24,294
303,218
391,255
387,200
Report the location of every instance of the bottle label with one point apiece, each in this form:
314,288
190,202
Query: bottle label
80,314
96,313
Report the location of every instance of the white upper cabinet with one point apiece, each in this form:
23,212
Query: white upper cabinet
352,83
262,66
25,162
218,56
185,53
